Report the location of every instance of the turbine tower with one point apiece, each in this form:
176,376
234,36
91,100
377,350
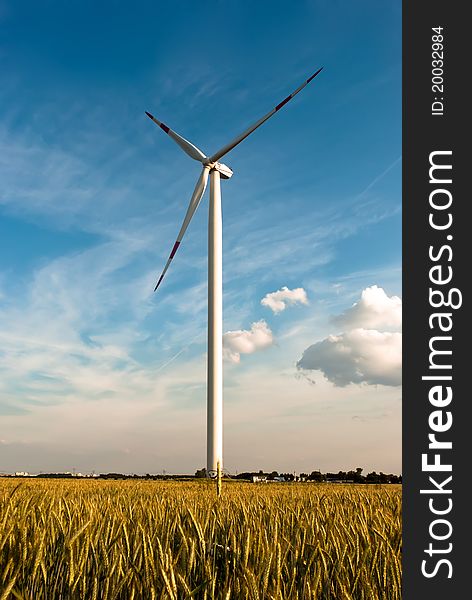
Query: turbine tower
215,170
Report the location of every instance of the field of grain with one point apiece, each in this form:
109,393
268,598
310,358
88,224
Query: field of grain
91,540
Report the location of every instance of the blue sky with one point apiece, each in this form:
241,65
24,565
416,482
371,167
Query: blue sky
97,372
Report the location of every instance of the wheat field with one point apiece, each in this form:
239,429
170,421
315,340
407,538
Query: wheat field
91,539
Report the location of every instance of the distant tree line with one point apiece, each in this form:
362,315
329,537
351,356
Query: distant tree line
317,476
355,476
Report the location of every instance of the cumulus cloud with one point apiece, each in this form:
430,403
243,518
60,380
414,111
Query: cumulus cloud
357,356
279,300
374,310
242,341
368,351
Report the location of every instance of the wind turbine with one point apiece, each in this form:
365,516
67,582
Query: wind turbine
216,170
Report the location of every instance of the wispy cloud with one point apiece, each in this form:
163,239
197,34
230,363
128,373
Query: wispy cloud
379,177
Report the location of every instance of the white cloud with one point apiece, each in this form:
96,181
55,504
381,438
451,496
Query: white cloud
365,352
375,310
279,300
357,356
242,341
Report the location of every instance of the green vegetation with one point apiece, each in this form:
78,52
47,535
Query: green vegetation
127,540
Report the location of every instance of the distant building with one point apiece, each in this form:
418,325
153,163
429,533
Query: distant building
259,479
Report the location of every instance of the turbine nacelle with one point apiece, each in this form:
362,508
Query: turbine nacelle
224,171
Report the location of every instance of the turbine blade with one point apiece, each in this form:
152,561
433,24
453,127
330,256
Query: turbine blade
253,127
186,146
192,207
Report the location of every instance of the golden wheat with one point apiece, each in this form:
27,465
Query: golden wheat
177,540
